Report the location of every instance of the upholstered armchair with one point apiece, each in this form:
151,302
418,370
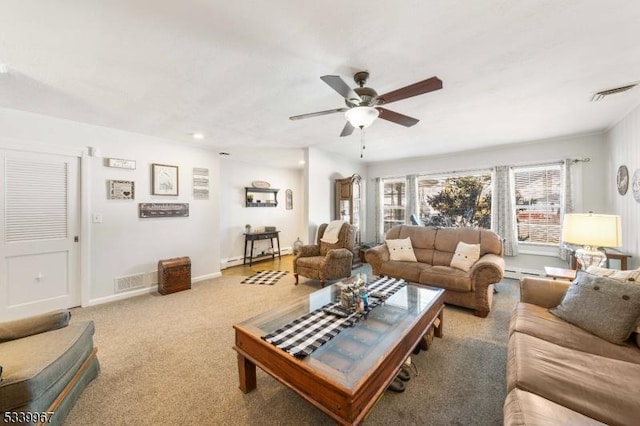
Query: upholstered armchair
326,261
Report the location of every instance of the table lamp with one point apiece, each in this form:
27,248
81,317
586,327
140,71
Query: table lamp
592,231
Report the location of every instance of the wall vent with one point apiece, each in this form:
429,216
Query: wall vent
598,96
129,282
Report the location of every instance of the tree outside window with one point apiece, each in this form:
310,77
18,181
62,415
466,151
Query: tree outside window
457,201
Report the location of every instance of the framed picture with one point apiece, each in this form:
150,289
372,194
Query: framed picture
164,179
289,199
121,190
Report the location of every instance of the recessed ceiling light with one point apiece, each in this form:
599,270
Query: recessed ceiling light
197,135
301,162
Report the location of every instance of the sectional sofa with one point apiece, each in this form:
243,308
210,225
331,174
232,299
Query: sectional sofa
561,374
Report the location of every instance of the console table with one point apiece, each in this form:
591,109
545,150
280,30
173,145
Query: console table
253,236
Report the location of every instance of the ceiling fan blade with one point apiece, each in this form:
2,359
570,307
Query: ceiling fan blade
415,89
396,117
347,130
338,84
315,114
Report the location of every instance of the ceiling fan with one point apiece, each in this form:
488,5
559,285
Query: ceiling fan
362,102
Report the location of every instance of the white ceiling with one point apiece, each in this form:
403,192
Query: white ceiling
513,71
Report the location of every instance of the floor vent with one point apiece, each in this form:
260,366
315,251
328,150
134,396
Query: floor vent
598,96
129,282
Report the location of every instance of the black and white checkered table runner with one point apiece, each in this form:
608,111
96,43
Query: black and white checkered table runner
307,333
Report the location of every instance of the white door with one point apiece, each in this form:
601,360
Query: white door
39,267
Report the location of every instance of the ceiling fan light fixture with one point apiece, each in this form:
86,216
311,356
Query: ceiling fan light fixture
362,116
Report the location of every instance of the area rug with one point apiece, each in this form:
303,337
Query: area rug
264,277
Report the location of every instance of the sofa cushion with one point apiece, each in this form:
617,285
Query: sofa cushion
401,250
537,321
409,271
602,388
465,256
606,307
33,325
526,408
446,277
50,357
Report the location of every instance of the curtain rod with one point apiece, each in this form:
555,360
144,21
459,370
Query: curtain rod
490,168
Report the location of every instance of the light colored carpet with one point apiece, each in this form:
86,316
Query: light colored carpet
168,360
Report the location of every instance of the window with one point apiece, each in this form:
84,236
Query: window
538,200
459,201
394,202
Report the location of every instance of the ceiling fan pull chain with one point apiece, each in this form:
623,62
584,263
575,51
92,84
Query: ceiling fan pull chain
362,147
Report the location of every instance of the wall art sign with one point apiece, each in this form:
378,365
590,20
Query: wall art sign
164,179
289,199
635,185
151,210
121,190
622,180
200,183
121,163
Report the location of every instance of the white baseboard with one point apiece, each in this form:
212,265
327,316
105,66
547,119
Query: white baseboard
517,273
144,290
237,261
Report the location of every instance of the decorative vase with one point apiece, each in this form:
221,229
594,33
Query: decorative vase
296,245
247,228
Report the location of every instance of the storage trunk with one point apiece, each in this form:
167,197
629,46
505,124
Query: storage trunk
174,275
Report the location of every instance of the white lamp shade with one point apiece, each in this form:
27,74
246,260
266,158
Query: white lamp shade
588,229
361,116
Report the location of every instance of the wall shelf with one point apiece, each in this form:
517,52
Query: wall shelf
260,197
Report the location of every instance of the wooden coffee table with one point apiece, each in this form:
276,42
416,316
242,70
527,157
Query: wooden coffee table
344,377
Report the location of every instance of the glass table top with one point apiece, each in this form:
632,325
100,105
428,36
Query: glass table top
354,353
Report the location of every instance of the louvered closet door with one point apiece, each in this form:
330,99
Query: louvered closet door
40,265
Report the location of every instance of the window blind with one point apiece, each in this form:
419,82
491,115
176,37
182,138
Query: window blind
538,203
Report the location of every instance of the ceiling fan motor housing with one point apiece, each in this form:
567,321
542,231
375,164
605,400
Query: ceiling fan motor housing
367,97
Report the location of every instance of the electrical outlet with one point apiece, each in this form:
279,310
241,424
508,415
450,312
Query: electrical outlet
96,218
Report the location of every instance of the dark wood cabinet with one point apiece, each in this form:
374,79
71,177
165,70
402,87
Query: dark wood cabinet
347,208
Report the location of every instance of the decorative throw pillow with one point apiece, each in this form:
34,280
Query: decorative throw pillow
632,276
401,250
603,306
465,256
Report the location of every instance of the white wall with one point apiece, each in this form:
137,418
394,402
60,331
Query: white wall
236,175
321,172
124,244
589,183
623,143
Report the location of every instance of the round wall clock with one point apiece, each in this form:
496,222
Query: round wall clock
623,180
635,185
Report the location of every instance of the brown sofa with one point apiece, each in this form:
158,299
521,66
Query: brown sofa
560,374
434,248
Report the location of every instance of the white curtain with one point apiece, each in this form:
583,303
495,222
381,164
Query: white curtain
412,197
566,200
503,217
379,213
